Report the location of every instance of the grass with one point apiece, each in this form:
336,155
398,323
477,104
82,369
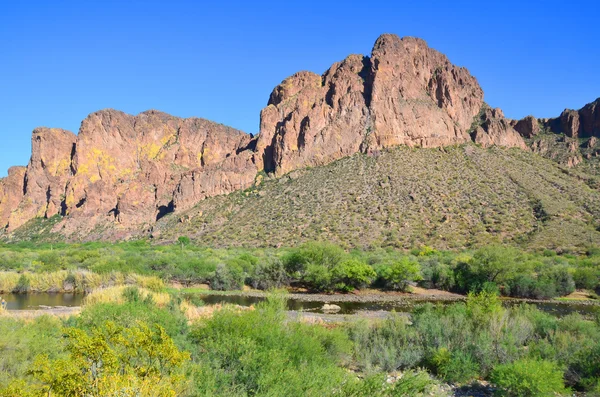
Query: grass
74,281
118,294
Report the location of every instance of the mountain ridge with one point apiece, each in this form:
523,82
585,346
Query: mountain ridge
127,172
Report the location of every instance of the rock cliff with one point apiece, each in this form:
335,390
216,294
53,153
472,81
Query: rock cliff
405,93
122,173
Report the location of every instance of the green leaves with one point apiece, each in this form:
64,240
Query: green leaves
529,378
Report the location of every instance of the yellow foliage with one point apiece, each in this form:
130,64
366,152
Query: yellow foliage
115,295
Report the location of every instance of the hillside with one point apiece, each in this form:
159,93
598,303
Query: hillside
447,198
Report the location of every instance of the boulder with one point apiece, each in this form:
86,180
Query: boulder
330,308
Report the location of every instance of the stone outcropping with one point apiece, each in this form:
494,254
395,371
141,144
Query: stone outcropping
124,172
11,193
495,129
568,138
405,93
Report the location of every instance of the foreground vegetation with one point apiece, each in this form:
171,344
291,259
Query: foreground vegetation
319,267
136,347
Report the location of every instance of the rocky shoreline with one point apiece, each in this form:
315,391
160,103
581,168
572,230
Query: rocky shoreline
388,298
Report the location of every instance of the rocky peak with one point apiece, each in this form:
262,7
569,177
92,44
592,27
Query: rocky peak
405,93
527,127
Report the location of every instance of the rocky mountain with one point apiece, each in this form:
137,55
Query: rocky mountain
569,139
121,173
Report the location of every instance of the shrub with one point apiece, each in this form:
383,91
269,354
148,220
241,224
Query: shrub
387,345
457,366
23,285
318,277
227,278
399,274
351,274
529,378
586,278
269,274
561,279
325,255
258,352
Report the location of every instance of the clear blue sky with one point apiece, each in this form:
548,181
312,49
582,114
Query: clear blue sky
61,60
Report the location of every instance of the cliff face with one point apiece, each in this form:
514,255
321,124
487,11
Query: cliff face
125,170
132,170
11,193
405,93
122,173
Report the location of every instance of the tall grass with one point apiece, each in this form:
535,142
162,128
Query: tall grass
79,281
122,294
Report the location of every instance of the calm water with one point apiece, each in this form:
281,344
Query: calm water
42,300
38,301
353,307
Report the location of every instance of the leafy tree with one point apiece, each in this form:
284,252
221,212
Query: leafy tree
351,274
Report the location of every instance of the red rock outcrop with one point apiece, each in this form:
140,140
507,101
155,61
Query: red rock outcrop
11,193
495,129
48,172
527,127
405,93
582,123
129,169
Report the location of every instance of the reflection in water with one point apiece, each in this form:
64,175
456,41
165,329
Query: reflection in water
34,301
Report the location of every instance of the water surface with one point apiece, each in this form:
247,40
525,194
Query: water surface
36,301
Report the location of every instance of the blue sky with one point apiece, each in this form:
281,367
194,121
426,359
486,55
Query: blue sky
61,60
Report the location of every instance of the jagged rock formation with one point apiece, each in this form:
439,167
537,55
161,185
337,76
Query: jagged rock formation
125,170
48,172
405,93
11,192
494,129
569,138
122,173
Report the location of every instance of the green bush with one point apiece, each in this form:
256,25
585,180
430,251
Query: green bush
529,378
399,274
227,278
586,278
269,274
387,345
351,274
260,353
456,367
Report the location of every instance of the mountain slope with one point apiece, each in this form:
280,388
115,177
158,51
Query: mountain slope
447,198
